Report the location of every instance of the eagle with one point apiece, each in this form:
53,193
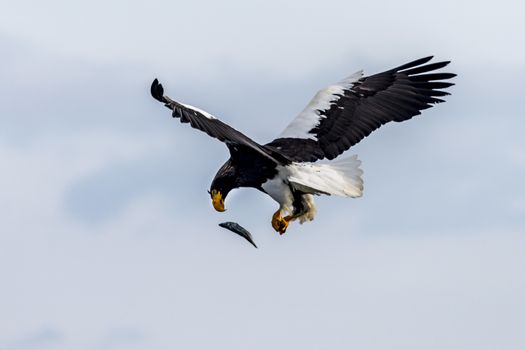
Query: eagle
338,117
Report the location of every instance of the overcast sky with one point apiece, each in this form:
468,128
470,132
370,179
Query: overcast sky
107,236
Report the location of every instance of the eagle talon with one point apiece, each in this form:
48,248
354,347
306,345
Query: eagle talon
279,223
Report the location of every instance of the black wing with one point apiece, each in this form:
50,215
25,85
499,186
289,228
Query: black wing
212,126
342,114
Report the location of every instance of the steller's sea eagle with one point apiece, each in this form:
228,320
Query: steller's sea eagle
338,117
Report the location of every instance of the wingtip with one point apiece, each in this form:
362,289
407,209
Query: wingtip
445,63
414,63
157,91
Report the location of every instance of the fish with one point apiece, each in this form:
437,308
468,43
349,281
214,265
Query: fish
238,229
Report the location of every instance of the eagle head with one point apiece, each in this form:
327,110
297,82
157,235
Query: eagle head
225,180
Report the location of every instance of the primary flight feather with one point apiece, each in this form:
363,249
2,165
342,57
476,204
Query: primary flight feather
338,117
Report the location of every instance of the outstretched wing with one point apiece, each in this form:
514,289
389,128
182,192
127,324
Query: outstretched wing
342,114
212,126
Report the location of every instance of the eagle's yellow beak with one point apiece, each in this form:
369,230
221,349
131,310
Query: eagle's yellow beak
217,201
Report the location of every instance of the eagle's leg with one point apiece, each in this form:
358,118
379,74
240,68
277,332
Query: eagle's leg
300,208
295,215
302,205
279,223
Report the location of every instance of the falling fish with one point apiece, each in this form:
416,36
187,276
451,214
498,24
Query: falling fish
238,229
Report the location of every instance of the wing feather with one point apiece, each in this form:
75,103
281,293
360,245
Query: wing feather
341,115
212,126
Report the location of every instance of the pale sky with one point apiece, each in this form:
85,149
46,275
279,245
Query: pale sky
107,236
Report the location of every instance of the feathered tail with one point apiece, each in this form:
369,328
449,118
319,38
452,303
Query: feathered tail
340,178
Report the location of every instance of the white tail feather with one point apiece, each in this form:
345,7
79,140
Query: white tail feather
340,178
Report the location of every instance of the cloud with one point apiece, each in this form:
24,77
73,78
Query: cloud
122,338
45,338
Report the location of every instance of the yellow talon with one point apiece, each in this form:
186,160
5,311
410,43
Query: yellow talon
279,223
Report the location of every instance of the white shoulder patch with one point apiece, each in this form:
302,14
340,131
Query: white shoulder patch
204,113
310,117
